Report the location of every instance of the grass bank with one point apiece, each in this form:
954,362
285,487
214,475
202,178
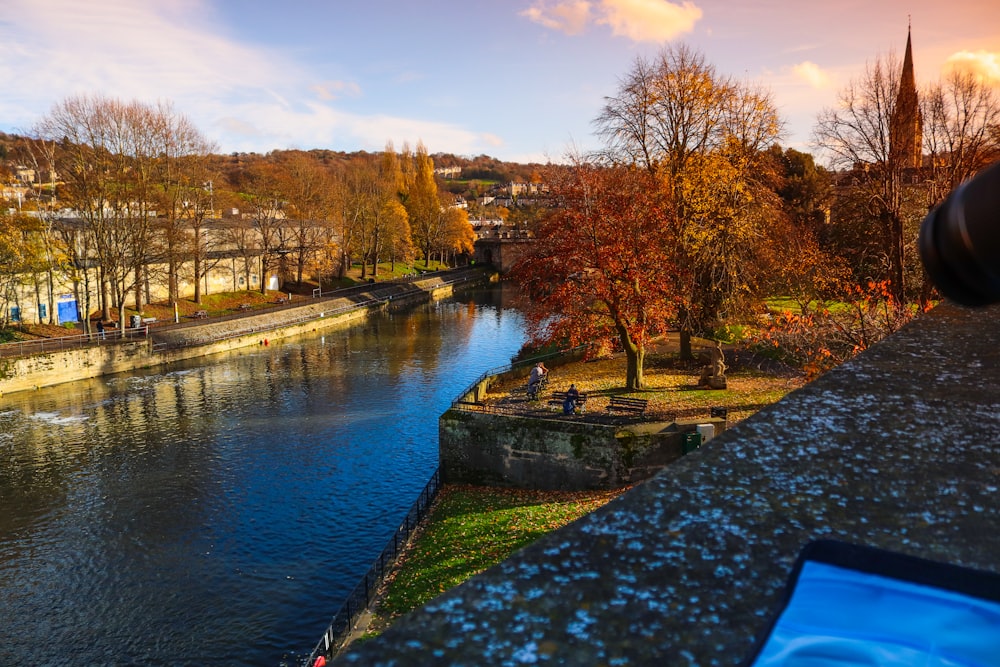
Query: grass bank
470,529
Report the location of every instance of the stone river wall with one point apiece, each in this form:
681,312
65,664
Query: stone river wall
169,344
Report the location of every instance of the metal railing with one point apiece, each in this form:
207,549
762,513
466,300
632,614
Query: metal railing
25,348
360,598
115,335
460,402
259,328
340,291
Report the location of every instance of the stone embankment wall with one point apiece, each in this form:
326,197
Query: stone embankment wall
166,345
556,454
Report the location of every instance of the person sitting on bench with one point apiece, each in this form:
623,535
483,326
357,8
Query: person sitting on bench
572,396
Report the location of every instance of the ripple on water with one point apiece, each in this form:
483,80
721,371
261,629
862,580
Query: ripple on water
227,507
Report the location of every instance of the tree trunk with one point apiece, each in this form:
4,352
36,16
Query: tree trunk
86,299
52,296
38,297
686,353
197,277
105,297
634,356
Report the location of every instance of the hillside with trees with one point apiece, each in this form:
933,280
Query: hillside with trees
691,217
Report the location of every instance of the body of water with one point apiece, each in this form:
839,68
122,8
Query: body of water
219,512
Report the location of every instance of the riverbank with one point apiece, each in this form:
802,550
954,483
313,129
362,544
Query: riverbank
482,527
163,344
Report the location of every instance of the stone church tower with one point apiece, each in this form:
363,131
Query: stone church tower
906,123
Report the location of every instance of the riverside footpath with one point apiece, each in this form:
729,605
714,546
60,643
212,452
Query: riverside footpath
54,361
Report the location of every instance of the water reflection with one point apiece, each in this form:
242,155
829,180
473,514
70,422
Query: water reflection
219,513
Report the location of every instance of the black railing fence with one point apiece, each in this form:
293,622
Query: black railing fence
115,335
363,594
109,336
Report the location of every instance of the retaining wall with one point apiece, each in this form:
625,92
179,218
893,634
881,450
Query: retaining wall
166,345
553,454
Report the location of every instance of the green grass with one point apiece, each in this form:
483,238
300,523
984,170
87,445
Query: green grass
9,334
781,304
470,529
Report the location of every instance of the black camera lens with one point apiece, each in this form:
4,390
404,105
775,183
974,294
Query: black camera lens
960,241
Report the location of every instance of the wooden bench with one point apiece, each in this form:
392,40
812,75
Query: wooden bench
148,320
635,406
559,397
200,314
281,300
245,306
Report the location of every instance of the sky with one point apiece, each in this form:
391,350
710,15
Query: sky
519,80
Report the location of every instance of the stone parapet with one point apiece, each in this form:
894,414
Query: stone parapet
897,449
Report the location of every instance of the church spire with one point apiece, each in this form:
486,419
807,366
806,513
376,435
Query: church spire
906,123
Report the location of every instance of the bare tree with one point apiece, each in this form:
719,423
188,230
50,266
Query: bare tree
104,158
961,130
308,186
178,175
857,134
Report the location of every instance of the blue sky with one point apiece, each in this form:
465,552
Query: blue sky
520,80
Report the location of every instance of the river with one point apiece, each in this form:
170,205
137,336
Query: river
220,511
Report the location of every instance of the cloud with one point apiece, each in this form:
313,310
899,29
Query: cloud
568,17
812,74
333,90
491,139
649,20
983,64
240,94
637,20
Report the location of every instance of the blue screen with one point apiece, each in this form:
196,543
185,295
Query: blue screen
838,616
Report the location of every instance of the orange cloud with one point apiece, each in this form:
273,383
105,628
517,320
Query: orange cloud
649,20
811,73
983,64
638,20
568,17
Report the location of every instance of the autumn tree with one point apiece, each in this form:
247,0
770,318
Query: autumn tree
373,218
398,238
423,204
809,265
308,188
604,264
39,154
457,235
20,255
261,193
703,136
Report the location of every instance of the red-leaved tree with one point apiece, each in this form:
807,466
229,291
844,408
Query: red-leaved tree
604,265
